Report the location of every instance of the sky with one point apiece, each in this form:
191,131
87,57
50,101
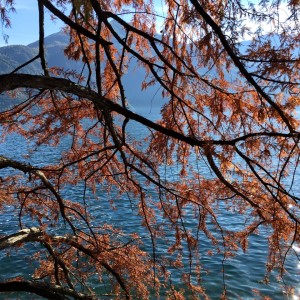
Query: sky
24,28
24,22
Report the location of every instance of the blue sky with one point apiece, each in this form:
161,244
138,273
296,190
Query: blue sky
24,28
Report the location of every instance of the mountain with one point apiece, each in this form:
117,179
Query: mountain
13,56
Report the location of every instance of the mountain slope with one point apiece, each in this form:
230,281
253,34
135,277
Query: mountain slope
13,56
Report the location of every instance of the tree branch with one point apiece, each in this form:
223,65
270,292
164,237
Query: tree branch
43,289
218,31
72,24
26,168
13,81
24,235
36,235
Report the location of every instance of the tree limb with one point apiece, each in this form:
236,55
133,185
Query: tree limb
24,235
13,81
43,289
26,168
235,58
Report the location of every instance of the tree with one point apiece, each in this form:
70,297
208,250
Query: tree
228,106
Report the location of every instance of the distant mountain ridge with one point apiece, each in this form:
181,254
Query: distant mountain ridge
15,55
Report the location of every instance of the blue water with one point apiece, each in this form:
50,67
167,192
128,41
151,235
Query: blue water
243,273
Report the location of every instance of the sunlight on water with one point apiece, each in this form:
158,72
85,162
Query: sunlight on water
296,295
296,248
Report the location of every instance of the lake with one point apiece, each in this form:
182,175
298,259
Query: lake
243,273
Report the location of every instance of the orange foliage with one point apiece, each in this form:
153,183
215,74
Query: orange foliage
227,140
